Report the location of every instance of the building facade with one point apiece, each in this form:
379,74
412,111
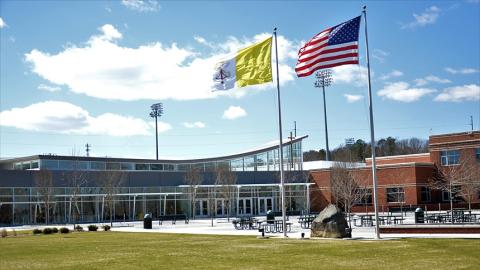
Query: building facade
76,188
406,181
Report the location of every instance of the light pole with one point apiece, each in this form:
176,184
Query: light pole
157,111
324,79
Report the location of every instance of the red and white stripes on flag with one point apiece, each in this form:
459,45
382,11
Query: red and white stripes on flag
332,47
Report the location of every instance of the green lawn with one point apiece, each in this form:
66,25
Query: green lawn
116,250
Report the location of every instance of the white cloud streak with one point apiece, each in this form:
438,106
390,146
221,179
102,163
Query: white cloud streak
470,92
393,74
151,71
380,55
234,112
352,98
429,79
350,74
2,23
461,70
142,5
429,16
66,118
49,88
196,124
400,91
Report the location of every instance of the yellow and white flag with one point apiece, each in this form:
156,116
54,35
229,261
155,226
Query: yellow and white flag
249,66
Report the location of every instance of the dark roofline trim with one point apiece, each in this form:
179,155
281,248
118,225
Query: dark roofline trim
152,161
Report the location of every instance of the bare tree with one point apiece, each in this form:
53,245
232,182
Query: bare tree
76,179
347,187
193,179
452,178
470,181
226,179
110,181
44,184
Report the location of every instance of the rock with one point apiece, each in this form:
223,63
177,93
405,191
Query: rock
330,223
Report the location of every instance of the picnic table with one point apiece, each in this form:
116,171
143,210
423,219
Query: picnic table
246,223
276,226
306,221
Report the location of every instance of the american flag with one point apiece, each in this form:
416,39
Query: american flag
332,47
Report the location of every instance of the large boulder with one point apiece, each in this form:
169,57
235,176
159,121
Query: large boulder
330,223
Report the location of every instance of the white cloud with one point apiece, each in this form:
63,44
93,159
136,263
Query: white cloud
142,5
430,78
66,118
461,71
393,74
197,124
470,92
150,71
429,16
400,91
2,23
109,33
49,88
350,74
380,55
352,98
234,112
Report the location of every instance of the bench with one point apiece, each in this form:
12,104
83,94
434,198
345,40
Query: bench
173,218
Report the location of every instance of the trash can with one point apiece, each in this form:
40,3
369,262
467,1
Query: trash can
419,215
147,221
270,217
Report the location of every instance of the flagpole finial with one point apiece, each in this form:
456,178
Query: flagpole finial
275,29
364,8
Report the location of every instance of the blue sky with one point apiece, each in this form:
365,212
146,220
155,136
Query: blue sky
77,72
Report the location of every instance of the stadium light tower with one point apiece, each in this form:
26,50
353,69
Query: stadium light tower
324,79
157,111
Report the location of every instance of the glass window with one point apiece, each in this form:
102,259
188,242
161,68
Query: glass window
450,157
396,194
25,165
113,166
366,199
425,194
477,154
156,167
183,167
168,167
35,164
65,164
126,166
49,164
80,165
142,167
456,197
249,163
97,165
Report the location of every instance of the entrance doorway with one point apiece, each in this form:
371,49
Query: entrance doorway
265,204
245,206
220,207
201,208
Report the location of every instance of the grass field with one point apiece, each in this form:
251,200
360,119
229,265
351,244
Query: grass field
115,250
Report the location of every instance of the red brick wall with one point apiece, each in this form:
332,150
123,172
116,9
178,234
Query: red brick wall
410,177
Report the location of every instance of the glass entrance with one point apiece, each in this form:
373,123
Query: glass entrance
265,204
220,208
245,206
201,208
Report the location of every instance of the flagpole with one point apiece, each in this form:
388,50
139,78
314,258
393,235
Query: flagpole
372,132
282,189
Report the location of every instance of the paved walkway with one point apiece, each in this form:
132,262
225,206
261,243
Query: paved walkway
223,227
